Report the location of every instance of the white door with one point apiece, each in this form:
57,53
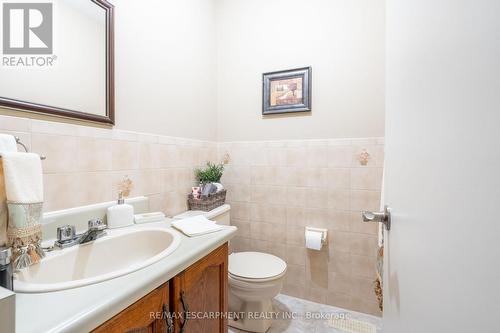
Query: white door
442,176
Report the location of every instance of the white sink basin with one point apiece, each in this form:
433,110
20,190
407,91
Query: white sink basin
120,252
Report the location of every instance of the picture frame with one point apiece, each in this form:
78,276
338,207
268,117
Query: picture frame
286,91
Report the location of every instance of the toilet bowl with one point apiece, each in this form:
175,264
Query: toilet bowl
255,278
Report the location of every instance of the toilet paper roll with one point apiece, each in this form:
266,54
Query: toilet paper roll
313,240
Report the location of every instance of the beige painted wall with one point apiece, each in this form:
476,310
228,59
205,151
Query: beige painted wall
164,68
343,41
193,68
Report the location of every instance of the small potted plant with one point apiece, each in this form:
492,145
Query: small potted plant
213,193
211,173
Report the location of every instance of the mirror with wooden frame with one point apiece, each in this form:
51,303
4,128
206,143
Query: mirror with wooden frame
58,59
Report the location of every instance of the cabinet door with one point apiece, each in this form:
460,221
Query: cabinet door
201,290
144,316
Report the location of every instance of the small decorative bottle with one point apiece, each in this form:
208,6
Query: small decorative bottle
121,214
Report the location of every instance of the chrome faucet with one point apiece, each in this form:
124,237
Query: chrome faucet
95,231
67,237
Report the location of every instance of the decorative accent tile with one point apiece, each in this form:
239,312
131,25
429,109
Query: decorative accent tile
364,157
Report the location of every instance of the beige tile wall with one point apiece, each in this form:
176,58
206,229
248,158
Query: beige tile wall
85,164
277,188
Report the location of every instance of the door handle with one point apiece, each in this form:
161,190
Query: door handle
168,320
382,217
185,309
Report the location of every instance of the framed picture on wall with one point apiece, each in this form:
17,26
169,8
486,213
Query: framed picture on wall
286,91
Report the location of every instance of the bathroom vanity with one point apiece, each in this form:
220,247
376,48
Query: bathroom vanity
201,288
192,278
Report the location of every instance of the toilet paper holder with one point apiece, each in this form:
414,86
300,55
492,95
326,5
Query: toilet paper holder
324,233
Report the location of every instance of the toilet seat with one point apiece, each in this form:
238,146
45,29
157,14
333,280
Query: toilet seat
255,266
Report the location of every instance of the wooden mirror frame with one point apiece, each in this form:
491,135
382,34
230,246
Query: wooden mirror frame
109,118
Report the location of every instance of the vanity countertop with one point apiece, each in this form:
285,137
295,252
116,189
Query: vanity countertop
83,309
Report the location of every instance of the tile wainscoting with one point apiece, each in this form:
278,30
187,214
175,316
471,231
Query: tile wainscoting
85,164
276,188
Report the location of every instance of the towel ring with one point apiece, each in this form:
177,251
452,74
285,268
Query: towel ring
18,141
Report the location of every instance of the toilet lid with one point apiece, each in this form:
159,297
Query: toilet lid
255,265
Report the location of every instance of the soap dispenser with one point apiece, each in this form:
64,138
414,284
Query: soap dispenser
121,214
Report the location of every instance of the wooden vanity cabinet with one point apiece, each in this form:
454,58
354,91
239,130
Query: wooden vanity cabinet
200,290
144,316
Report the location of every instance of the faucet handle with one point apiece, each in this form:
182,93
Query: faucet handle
66,233
97,223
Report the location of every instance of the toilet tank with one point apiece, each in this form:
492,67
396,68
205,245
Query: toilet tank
221,214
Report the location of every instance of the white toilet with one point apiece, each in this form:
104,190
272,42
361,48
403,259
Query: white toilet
255,278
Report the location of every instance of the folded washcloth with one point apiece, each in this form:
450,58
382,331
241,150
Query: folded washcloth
24,189
197,225
7,145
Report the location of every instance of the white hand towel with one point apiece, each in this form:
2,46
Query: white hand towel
23,177
24,189
196,226
7,145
